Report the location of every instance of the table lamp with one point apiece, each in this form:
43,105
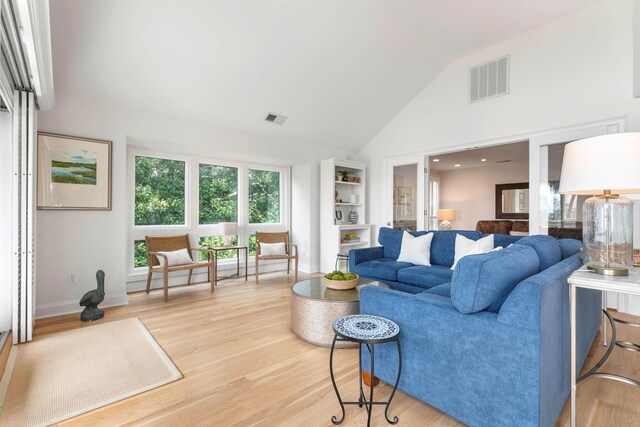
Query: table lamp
605,167
229,229
444,216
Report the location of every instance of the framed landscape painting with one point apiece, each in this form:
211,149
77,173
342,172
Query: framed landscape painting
73,173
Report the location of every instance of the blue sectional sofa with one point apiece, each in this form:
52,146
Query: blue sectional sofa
487,343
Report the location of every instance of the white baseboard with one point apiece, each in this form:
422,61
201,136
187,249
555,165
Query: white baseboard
305,268
138,282
68,307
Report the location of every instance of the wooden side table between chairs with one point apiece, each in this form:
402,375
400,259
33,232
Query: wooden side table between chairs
230,248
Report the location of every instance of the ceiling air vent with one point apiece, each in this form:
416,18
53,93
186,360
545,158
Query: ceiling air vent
489,80
276,118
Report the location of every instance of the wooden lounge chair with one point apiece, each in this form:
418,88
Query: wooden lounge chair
174,243
291,251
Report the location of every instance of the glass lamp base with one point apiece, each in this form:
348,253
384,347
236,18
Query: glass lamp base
608,270
445,225
608,234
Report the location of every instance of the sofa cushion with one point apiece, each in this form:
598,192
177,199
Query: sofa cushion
520,226
547,248
425,277
444,290
382,268
465,246
483,282
392,240
443,245
569,247
494,226
416,250
504,240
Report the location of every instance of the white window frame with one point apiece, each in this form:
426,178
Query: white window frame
192,224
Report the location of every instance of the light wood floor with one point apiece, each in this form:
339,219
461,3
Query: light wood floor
243,366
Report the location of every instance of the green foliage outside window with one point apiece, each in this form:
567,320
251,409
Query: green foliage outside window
140,254
159,192
218,194
214,242
264,196
252,245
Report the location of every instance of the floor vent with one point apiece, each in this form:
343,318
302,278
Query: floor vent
489,80
276,118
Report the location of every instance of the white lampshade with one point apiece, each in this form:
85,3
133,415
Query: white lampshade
608,162
228,228
448,214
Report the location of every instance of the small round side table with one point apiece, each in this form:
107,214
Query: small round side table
367,331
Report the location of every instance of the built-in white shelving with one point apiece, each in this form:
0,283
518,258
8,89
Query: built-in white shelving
337,199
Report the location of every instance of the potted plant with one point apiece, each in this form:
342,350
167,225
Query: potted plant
345,175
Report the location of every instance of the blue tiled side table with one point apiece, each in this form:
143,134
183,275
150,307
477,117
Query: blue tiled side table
365,330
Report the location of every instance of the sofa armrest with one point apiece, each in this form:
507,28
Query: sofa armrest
539,297
358,256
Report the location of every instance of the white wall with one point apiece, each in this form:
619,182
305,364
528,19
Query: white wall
575,70
6,224
306,196
472,192
83,241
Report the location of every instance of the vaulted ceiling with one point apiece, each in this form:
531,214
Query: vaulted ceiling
339,69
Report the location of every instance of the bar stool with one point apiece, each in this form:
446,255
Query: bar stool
342,257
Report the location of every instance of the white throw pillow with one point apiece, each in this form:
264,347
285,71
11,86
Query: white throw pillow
465,246
416,250
273,249
179,257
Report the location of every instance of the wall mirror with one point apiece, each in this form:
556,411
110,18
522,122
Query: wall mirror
512,201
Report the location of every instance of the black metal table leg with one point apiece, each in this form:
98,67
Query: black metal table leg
395,387
361,396
335,387
371,385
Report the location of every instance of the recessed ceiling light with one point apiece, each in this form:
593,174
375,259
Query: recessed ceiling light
483,160
457,165
436,160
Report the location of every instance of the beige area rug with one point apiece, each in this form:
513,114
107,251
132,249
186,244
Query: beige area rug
63,375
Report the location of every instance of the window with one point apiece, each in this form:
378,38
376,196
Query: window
140,254
264,196
252,245
159,191
215,242
171,195
218,194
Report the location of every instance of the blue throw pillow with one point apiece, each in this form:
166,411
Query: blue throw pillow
547,248
483,282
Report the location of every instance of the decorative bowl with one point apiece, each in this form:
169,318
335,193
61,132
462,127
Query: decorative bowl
341,285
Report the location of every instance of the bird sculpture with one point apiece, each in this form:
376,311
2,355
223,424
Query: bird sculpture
91,299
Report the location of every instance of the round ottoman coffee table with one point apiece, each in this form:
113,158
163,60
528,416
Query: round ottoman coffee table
314,307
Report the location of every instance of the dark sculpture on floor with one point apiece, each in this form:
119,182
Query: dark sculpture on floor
91,299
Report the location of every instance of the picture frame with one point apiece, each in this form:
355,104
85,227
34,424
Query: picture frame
338,216
74,173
